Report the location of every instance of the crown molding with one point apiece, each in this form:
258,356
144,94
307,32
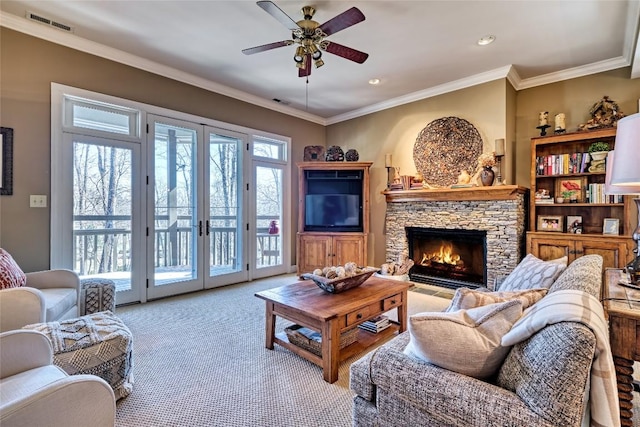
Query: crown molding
498,73
572,73
72,41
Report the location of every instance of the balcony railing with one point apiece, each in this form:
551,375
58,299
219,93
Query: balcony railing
101,248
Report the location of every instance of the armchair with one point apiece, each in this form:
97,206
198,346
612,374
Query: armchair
34,392
47,296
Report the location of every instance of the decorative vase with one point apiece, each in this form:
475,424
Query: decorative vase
487,176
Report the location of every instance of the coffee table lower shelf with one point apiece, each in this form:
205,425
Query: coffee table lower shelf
365,340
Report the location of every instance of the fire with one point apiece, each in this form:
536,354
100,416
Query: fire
443,255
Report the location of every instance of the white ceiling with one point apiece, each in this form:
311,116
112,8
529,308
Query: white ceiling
416,48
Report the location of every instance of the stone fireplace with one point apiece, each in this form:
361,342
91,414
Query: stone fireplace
493,217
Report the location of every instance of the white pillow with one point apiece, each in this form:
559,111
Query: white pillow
466,298
464,341
534,273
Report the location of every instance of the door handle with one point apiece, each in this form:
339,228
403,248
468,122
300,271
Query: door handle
200,228
207,231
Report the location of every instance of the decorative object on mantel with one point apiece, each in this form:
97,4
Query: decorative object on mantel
335,154
397,180
444,148
388,164
313,153
560,124
499,153
417,182
351,155
543,122
604,114
485,173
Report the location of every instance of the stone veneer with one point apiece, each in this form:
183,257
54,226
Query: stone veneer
503,220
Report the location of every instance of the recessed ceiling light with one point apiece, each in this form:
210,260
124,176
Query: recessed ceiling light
374,82
486,40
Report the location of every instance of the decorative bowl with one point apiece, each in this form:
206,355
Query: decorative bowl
335,286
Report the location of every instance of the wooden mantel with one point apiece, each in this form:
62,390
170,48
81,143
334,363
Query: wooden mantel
496,192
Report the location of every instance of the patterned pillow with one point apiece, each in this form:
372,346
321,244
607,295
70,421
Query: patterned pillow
11,276
534,273
466,298
464,341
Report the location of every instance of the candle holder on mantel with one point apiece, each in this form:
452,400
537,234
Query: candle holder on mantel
543,129
388,179
499,167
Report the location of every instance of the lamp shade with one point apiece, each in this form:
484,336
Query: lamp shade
625,167
616,189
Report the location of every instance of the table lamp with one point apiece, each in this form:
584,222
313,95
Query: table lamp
623,177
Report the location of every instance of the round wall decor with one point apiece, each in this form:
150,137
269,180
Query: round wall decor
444,148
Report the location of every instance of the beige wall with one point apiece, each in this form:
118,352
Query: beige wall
395,131
28,67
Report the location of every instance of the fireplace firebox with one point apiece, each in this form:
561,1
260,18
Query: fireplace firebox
449,258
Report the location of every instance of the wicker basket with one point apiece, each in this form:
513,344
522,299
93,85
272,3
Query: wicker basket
335,286
315,347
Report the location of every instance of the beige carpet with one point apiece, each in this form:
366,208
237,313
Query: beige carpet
200,360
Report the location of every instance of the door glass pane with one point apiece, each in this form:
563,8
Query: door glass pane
175,219
102,212
268,216
225,220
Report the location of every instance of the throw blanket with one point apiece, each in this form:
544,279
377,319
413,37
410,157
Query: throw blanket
577,306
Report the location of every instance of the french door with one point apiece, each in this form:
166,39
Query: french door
160,202
196,205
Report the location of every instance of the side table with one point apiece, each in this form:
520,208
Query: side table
622,306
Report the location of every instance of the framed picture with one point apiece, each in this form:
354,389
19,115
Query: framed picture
550,223
6,161
574,224
611,226
571,188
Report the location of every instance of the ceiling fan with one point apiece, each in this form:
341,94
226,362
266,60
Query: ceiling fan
311,37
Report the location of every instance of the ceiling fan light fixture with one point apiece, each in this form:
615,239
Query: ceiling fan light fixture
299,56
488,39
319,63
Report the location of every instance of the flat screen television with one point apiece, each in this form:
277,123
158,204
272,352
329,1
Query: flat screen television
333,212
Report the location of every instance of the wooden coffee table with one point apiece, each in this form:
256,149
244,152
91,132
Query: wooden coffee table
331,314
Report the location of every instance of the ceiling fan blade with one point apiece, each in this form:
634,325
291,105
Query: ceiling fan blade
276,12
342,21
257,49
306,71
345,52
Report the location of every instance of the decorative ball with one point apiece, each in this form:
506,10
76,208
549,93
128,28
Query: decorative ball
334,154
351,155
317,272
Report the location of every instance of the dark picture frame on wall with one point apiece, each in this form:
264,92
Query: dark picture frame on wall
6,161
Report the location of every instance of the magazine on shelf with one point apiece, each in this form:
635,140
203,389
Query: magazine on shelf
376,324
310,334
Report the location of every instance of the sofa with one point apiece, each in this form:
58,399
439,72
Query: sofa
35,392
42,296
542,381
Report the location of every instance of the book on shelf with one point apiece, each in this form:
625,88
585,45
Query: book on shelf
544,201
376,324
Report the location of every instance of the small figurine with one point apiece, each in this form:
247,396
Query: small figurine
464,177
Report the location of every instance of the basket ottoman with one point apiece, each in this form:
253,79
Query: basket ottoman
97,344
97,294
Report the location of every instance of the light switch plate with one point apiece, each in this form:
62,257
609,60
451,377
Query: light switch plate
37,201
